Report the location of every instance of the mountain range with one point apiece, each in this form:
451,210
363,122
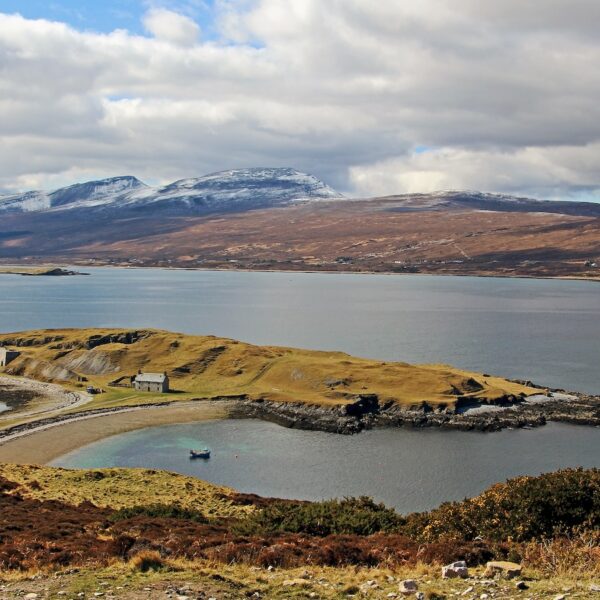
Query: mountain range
239,189
282,219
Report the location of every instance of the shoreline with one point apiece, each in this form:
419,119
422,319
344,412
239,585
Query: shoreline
58,435
77,263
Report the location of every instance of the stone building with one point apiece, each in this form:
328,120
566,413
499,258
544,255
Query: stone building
7,356
151,382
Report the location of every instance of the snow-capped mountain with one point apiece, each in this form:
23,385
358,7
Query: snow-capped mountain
237,189
486,201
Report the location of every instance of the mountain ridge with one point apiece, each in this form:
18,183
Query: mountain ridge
224,190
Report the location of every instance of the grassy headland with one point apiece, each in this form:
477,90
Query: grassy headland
212,367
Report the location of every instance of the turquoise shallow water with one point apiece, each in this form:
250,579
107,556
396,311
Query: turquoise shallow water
409,469
544,330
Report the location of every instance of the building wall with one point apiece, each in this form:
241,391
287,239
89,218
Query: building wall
7,356
144,386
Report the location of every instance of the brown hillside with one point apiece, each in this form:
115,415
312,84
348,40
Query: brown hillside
392,235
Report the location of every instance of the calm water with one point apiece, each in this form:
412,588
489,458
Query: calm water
543,330
411,470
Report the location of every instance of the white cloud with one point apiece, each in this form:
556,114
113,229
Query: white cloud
504,95
171,26
551,172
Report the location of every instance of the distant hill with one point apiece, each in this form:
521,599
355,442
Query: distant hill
238,189
281,219
460,200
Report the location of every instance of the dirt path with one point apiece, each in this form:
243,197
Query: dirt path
49,397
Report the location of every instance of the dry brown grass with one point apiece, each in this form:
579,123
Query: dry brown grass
119,488
148,560
207,366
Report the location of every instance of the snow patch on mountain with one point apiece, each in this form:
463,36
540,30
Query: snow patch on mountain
225,190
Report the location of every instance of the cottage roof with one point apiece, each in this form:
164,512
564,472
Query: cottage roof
150,377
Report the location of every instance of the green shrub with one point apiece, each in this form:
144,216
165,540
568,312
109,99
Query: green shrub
525,508
165,511
359,516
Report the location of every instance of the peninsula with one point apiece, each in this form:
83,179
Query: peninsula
54,377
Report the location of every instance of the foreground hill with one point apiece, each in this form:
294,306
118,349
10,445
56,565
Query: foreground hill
190,225
138,533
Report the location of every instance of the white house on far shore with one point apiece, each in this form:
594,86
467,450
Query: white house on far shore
151,382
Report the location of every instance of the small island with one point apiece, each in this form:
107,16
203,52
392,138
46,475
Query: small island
39,271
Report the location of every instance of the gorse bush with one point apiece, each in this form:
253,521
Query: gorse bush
526,508
357,516
164,511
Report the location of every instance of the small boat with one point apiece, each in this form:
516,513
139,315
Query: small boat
200,453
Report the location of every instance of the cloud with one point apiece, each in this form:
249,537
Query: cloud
374,98
551,172
171,26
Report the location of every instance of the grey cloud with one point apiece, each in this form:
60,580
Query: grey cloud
503,93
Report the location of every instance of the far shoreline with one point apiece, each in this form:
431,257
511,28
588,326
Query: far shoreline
85,264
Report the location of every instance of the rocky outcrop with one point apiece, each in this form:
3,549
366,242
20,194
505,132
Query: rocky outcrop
367,412
502,568
454,570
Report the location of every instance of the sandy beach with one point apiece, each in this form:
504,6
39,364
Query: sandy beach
40,446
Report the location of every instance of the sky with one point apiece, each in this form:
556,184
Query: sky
374,98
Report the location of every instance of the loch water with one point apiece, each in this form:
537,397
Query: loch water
547,331
409,469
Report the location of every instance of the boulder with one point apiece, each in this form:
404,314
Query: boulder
503,568
521,585
298,581
455,569
408,587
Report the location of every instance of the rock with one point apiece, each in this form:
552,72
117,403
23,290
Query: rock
521,585
420,596
295,582
560,597
506,569
595,588
408,587
455,569
31,596
369,585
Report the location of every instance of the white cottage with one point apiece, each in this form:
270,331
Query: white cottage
151,382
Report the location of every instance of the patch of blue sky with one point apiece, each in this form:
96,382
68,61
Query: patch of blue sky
422,149
108,15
